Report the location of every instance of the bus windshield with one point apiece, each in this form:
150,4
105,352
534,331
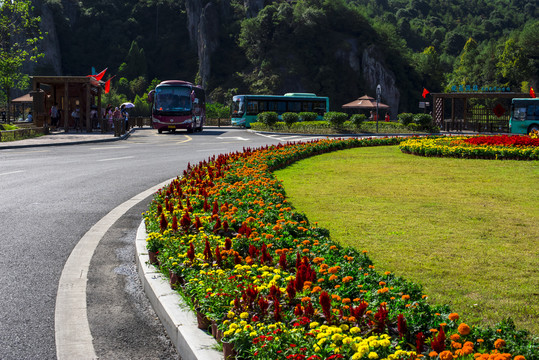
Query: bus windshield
238,106
172,98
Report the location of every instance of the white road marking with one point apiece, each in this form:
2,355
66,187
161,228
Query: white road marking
119,158
72,331
12,172
232,137
109,147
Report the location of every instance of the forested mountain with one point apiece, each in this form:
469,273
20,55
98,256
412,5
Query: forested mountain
338,48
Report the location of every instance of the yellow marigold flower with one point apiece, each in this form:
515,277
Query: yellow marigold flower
498,344
373,355
453,316
464,329
244,315
230,315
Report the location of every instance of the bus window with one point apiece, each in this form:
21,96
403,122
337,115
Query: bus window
281,107
307,106
252,107
294,106
533,112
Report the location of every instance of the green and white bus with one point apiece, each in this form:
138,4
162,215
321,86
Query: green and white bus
245,108
524,115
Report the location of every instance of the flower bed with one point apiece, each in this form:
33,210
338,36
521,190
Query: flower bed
499,147
278,287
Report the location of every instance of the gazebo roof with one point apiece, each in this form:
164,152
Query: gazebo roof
365,102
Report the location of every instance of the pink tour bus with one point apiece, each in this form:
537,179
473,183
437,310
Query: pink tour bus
178,104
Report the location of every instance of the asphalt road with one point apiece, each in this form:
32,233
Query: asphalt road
50,197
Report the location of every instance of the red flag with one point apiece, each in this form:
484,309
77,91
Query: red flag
100,75
425,93
532,93
107,86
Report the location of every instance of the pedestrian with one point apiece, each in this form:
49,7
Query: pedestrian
93,117
29,118
55,115
371,117
387,117
76,118
125,116
116,115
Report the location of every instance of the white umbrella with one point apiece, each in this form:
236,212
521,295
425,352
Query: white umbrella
128,105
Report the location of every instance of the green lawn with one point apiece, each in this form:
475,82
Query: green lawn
467,230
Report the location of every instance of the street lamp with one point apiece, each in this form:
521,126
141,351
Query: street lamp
378,94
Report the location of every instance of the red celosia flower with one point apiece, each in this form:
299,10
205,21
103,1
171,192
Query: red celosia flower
438,341
420,343
282,261
228,244
191,252
163,223
325,302
401,325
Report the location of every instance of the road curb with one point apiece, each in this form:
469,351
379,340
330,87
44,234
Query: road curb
179,322
23,146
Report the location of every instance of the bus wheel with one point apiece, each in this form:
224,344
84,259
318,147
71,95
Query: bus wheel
200,128
533,127
160,131
190,130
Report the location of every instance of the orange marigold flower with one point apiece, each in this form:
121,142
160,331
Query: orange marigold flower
333,247
453,316
467,350
455,337
333,277
433,354
405,297
446,355
519,357
321,280
469,344
305,298
387,273
464,329
305,242
433,330
480,341
352,319
456,345
337,286
334,269
443,324
316,289
382,283
306,250
336,297
346,301
498,344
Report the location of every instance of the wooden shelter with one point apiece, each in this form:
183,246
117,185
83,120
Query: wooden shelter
69,92
365,103
473,111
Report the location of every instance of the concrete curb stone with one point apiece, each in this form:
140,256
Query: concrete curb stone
179,322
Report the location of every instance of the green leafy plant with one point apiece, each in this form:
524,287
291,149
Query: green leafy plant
268,118
336,119
307,116
290,118
405,118
358,119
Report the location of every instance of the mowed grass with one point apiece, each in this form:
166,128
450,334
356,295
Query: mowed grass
467,230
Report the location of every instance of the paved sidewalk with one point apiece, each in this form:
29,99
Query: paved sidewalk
62,138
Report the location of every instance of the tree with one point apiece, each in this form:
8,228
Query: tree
512,64
19,37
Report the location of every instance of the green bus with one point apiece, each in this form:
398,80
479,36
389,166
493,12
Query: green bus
245,108
524,115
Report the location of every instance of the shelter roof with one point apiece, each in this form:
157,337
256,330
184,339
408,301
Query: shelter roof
365,102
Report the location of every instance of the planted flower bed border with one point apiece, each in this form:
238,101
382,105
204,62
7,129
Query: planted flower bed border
277,287
500,147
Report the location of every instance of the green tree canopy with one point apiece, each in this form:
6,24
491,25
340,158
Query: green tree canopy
19,37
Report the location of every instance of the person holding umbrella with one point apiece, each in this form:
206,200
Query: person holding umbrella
125,114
